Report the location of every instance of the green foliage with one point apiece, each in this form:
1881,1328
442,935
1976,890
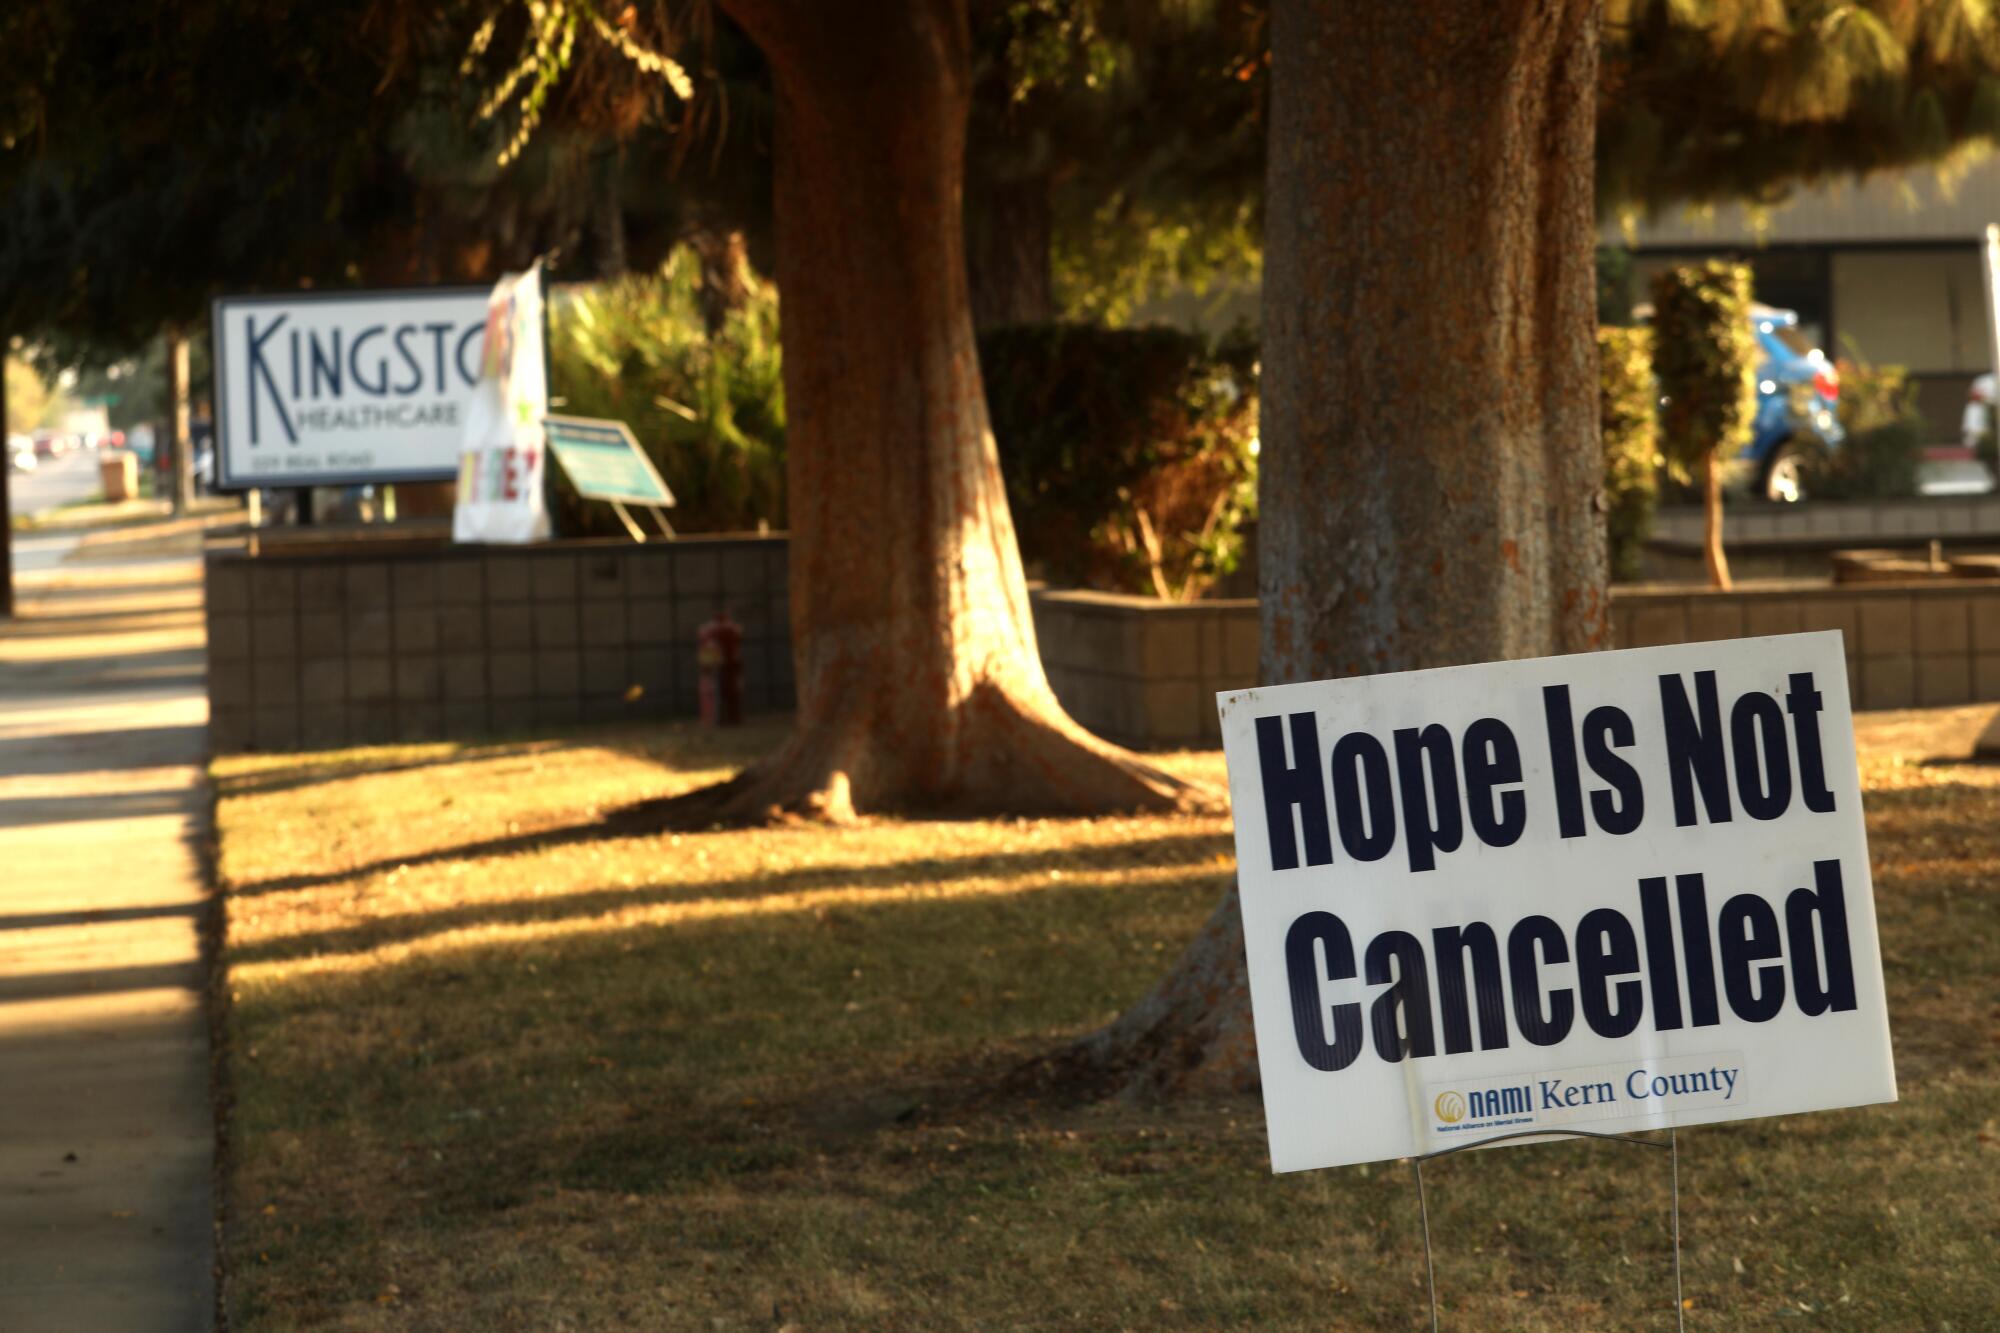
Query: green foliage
1124,253
1705,358
709,411
1714,100
134,388
1885,437
153,157
1145,126
1129,454
1631,435
1614,285
29,402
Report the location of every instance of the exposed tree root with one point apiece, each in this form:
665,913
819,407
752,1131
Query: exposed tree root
1001,757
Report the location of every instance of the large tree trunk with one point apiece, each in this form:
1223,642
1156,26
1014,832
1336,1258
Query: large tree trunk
1008,227
1431,486
919,683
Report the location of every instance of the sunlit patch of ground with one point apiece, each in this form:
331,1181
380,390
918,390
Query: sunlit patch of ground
495,1068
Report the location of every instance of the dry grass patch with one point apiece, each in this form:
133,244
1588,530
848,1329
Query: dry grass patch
496,1069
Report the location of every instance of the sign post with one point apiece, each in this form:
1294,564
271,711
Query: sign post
604,462
1574,896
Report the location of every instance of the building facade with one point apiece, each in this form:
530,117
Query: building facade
1887,269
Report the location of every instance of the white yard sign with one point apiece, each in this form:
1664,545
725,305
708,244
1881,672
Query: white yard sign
1608,892
344,387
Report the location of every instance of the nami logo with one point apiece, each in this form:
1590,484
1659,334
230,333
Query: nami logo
1490,1106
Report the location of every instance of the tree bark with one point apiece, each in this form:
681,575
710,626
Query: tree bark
919,683
180,475
1711,514
1431,488
1008,225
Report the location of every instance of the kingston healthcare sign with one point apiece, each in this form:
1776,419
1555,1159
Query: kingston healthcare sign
344,388
1607,892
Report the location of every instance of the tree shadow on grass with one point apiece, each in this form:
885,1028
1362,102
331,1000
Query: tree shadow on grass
343,765
1956,810
674,746
642,1059
1187,851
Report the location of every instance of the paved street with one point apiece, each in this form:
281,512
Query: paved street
105,1124
56,482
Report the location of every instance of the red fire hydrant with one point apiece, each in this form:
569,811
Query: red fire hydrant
719,650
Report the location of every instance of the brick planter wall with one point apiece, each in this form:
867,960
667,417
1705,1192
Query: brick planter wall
340,648
1776,541
1145,672
1909,645
326,649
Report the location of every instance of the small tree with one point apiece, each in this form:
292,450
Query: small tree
1705,357
1630,424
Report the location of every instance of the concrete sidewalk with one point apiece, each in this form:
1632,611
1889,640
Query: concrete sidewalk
106,1130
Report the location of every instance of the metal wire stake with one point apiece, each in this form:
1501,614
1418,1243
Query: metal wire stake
1672,1145
1680,1307
1430,1270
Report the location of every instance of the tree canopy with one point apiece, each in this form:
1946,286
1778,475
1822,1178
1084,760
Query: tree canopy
150,158
1710,100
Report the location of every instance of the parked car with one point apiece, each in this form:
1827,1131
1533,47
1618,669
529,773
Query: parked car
21,453
1798,393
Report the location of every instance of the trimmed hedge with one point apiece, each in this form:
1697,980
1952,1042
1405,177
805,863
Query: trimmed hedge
1627,411
1885,437
1705,356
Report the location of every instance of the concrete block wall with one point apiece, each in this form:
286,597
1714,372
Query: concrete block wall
1771,541
333,649
326,649
1954,519
1909,645
1145,672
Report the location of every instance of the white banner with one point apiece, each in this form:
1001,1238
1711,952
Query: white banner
502,455
344,388
1612,892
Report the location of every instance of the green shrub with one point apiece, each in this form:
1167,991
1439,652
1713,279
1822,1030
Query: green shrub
709,411
1627,410
1885,437
1705,359
1614,285
1129,454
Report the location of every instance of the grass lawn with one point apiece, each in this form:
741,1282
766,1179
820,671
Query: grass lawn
495,1069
